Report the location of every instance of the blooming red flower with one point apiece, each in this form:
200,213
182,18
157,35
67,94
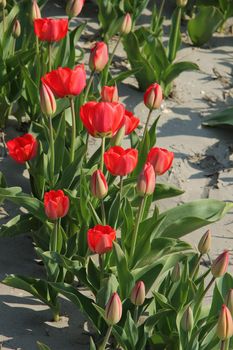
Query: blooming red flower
109,94
130,121
65,81
22,148
98,56
161,159
119,161
56,204
100,238
102,119
153,96
51,29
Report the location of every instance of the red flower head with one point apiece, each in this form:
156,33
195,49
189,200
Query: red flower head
146,180
102,119
109,94
56,204
161,159
153,96
98,56
50,29
65,81
130,121
119,161
100,238
22,148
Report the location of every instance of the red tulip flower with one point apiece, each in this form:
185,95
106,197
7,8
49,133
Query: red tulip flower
98,56
22,148
161,159
50,29
146,180
119,161
109,94
102,119
56,204
153,96
130,121
65,81
100,238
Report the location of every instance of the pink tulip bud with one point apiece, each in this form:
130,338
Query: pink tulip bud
16,31
98,56
126,25
35,12
153,96
74,7
113,310
138,294
146,180
109,94
225,324
99,186
181,3
229,301
175,275
187,320
219,266
47,100
205,243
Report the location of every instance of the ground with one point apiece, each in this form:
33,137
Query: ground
202,167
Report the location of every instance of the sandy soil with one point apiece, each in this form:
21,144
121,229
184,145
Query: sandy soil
202,167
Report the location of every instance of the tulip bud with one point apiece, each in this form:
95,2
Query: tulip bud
35,11
225,324
74,7
229,301
98,56
219,266
109,94
138,294
126,25
205,243
99,186
175,275
16,31
181,3
153,96
2,4
187,320
146,180
113,310
47,100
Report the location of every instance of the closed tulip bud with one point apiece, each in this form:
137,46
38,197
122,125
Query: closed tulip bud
35,12
219,266
181,3
205,243
109,94
175,275
113,310
47,100
138,294
229,301
16,31
126,25
99,186
187,320
2,4
98,57
225,324
146,180
74,7
153,96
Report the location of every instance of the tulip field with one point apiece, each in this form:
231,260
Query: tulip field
116,175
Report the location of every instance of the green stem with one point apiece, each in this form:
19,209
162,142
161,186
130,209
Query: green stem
106,339
73,136
101,267
53,239
102,154
37,46
135,315
135,232
121,187
202,296
3,20
111,58
172,53
103,212
160,14
193,274
52,160
89,86
56,316
50,56
222,347
146,126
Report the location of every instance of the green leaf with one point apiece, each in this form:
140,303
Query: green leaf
59,145
74,37
163,191
2,180
42,346
92,344
220,118
19,225
175,35
174,70
123,75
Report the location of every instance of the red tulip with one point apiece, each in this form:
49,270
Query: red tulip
102,119
119,161
161,159
126,25
50,29
100,238
220,265
109,94
138,294
35,12
56,204
153,96
113,309
225,324
146,180
130,122
98,56
47,100
99,186
22,148
65,81
74,7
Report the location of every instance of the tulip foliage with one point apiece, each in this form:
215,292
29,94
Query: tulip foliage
95,218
